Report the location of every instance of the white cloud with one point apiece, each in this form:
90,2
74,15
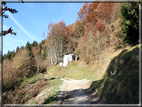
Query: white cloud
71,7
25,31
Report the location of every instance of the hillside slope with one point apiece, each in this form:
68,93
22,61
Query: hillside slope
121,88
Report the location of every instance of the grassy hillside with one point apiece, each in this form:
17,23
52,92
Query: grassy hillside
74,71
123,87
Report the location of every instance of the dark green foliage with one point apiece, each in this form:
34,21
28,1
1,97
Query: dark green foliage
31,54
9,55
44,54
40,49
12,55
43,41
130,25
35,44
17,49
4,57
28,47
22,47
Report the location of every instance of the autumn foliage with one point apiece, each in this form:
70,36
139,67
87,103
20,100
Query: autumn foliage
88,37
95,32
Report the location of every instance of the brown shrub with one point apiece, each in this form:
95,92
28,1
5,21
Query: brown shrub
22,95
15,71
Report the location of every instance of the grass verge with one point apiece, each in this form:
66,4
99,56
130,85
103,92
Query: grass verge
52,95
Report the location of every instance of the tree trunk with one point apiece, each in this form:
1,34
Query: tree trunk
51,57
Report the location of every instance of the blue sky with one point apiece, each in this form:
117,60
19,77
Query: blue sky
32,19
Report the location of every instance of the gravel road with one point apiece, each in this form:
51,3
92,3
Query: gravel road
77,92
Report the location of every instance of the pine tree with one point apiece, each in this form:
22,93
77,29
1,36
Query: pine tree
40,49
130,25
44,54
43,41
17,49
8,55
4,57
34,44
28,47
12,55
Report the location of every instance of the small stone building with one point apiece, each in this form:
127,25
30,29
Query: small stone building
67,58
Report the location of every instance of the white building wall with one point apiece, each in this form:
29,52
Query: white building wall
66,59
61,64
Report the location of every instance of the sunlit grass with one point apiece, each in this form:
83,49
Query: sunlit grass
123,87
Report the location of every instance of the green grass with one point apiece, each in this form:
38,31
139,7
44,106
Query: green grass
52,98
126,61
119,89
30,80
123,87
72,71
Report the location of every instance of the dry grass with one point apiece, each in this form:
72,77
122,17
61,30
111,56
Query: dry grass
121,88
21,95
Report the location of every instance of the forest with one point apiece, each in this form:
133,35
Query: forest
99,30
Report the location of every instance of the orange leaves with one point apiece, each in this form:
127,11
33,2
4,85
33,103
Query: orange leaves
104,11
56,30
83,11
100,26
50,26
91,16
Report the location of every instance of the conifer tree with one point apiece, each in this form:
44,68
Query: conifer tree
12,55
34,43
130,25
40,49
17,49
28,47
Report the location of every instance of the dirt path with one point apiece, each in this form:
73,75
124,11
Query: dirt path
77,92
